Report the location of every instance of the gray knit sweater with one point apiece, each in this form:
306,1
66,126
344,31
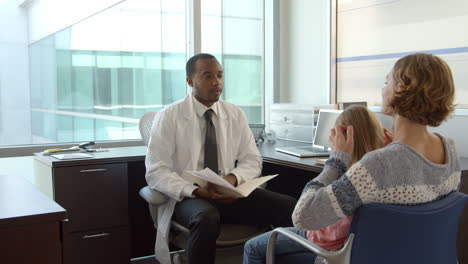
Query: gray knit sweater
395,174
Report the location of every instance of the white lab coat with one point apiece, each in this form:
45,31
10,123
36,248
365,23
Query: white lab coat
175,147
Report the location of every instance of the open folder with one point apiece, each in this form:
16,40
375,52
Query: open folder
242,190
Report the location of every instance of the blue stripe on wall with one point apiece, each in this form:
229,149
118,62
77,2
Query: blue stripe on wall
369,6
401,54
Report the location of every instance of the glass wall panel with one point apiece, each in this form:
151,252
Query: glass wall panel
108,130
83,129
64,128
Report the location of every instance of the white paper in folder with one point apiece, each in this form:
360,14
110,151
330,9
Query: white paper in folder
225,187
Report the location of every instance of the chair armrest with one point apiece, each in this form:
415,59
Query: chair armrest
152,196
342,256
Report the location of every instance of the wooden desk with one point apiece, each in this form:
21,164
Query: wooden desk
29,224
137,228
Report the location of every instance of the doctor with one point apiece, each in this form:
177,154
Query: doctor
203,131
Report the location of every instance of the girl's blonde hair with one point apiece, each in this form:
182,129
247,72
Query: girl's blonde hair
368,131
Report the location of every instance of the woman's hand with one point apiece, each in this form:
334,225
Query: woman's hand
388,136
342,139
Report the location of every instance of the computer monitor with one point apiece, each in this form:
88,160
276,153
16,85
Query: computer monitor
325,121
320,146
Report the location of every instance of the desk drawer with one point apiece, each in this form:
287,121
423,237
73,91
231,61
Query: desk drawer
97,247
94,196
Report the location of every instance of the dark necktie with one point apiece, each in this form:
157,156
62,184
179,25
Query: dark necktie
211,152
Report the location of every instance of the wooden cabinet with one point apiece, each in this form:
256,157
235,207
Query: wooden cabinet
30,224
96,199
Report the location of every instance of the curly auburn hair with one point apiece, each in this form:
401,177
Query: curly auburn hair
424,89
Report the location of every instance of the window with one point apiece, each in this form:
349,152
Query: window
93,80
96,78
232,30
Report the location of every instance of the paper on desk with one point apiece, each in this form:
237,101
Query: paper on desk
242,190
72,156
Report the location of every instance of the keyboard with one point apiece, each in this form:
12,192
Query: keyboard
312,149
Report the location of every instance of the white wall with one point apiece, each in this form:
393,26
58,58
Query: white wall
369,30
304,51
14,74
49,16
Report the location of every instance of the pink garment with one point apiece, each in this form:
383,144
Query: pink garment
331,237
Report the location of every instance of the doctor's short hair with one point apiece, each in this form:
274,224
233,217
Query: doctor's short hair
190,65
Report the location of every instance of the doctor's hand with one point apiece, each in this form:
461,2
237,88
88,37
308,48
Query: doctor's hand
210,192
231,178
342,139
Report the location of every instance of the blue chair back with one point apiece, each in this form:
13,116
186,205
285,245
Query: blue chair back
425,233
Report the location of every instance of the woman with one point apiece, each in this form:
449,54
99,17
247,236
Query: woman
417,167
369,135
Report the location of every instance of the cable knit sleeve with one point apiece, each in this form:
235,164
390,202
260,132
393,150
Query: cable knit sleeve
329,197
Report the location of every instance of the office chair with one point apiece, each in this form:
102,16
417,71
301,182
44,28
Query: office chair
230,235
384,234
